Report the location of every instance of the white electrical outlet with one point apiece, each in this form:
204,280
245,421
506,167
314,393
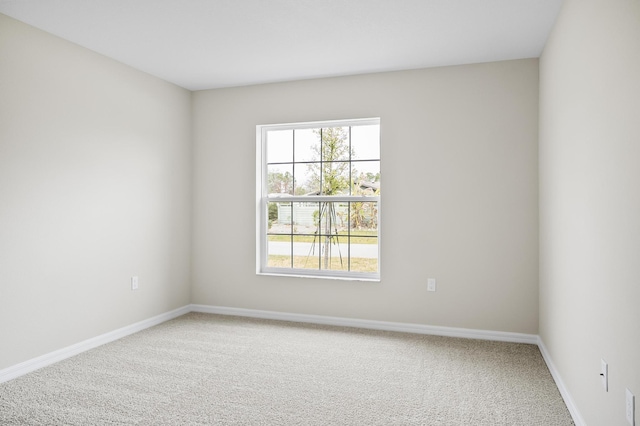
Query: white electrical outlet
134,283
431,284
604,375
630,408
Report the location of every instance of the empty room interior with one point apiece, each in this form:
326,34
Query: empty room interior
136,150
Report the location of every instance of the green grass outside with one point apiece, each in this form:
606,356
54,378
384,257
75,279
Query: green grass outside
363,237
358,264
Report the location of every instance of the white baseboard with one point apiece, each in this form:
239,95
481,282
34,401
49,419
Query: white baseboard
55,356
373,325
568,400
409,328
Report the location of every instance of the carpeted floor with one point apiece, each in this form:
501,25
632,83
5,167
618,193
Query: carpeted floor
203,369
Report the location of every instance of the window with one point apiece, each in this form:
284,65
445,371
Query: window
318,192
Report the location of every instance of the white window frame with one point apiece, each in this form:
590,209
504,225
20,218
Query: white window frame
262,199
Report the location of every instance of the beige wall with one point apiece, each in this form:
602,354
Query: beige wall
94,188
459,179
590,203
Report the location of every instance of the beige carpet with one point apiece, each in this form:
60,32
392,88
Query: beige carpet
203,369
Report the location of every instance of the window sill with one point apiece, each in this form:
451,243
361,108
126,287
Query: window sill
323,277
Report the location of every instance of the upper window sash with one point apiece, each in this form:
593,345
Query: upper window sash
318,125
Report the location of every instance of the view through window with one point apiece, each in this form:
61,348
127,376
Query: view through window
319,192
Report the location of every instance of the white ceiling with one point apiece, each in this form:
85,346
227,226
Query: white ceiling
202,44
